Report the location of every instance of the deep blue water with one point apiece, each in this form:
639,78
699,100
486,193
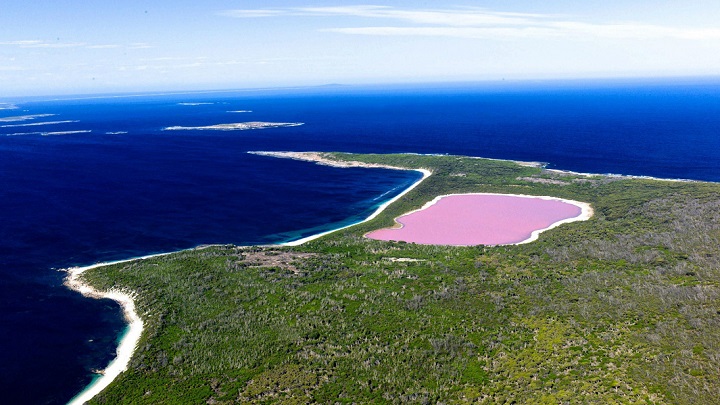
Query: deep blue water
76,199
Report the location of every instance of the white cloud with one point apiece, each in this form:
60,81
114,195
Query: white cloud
482,23
140,45
464,17
106,46
33,43
549,31
253,13
57,45
456,32
21,42
635,31
12,69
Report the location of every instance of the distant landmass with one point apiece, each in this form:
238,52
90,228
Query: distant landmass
239,126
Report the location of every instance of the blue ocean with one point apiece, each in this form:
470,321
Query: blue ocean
91,179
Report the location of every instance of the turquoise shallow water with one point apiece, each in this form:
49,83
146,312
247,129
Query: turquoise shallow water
111,184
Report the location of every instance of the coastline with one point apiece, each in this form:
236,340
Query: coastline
623,176
317,157
586,212
322,159
131,337
381,208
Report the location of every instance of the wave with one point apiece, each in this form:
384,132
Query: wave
116,132
191,104
24,117
387,192
240,111
238,126
34,124
8,106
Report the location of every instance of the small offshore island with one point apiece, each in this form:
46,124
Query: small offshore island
622,307
237,126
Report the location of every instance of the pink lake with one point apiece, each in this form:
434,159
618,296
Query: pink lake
483,219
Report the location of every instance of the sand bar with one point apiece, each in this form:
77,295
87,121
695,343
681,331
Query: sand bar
483,219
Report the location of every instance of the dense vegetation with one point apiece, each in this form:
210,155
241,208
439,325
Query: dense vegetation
623,308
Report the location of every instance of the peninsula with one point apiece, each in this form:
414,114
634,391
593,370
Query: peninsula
620,308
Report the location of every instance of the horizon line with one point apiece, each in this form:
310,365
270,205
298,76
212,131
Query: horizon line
404,84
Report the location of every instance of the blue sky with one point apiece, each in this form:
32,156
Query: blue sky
51,47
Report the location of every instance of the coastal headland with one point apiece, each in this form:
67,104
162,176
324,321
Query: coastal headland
619,308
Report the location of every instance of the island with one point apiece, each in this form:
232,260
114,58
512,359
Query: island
623,307
17,118
238,126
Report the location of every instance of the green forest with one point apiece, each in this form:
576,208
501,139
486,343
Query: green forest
622,308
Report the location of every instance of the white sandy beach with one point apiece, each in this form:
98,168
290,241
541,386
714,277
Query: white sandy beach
129,342
426,174
586,212
320,159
